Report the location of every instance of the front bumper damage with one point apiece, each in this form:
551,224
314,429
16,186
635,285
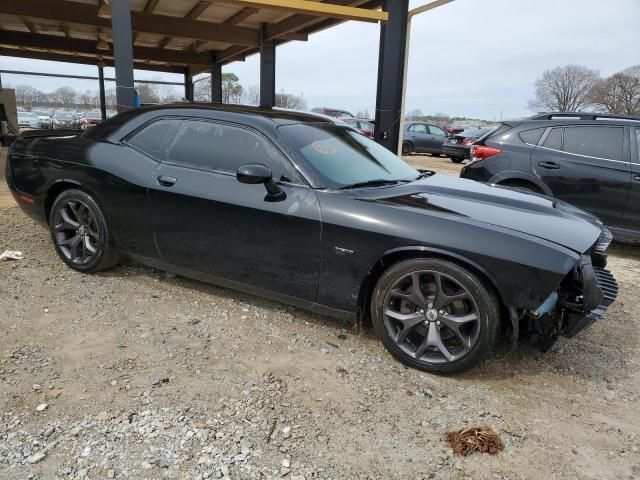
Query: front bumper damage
582,298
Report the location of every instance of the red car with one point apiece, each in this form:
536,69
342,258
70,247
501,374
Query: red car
90,119
364,126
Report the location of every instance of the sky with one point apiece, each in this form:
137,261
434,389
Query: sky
472,58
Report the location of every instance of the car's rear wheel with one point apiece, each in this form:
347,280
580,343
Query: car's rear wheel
80,233
435,315
407,148
457,159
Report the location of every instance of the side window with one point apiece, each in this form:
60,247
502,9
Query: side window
601,142
437,131
637,144
418,128
531,136
154,138
554,139
221,147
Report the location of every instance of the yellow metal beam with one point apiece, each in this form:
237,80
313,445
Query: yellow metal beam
309,7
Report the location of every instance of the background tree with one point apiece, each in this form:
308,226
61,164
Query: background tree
564,89
364,114
26,95
147,93
252,95
65,96
288,100
231,88
620,93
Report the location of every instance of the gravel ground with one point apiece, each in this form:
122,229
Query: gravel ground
136,374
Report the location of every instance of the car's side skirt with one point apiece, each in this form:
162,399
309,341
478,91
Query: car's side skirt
232,284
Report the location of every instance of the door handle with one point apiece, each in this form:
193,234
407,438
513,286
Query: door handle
166,181
549,165
637,177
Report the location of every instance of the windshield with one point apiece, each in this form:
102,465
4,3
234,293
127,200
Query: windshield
342,156
64,116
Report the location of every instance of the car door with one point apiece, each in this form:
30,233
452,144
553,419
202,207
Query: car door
586,166
419,137
205,220
632,214
436,138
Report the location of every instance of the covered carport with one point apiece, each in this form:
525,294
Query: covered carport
191,37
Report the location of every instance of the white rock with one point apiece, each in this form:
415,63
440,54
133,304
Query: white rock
86,452
286,463
42,407
286,432
36,457
146,465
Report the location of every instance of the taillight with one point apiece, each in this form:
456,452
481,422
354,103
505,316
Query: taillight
480,152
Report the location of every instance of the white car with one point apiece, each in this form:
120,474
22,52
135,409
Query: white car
44,118
28,120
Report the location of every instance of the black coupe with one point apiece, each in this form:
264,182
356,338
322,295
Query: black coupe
311,213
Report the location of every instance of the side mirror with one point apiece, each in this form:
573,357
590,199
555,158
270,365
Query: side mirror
254,173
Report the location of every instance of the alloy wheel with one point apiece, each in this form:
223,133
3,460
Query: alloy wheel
76,232
431,317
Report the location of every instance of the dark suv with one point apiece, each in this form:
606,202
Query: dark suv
589,160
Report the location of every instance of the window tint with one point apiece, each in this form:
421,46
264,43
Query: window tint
154,139
554,139
531,136
437,131
602,142
216,146
418,128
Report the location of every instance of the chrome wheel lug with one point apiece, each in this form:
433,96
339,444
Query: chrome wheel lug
441,312
430,305
437,323
421,312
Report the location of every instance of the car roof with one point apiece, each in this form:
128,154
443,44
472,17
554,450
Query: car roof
264,119
575,118
276,115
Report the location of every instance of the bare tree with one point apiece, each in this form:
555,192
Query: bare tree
620,93
288,100
564,89
364,114
252,95
26,95
65,96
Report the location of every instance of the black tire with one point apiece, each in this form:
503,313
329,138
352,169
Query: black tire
80,233
457,159
407,148
474,293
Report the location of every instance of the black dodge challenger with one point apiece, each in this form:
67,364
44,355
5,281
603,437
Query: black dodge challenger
299,209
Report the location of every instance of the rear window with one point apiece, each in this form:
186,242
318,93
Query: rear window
152,139
554,139
531,137
601,142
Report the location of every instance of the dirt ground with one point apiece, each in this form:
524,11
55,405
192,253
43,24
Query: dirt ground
136,374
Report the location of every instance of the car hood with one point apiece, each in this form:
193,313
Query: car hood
529,213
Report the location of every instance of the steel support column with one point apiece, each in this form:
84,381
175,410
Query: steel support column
267,70
188,85
216,81
123,53
103,102
393,36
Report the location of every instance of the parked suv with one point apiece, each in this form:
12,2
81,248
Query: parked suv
589,160
422,137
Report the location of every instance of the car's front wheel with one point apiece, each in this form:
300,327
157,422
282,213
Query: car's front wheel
435,315
457,159
407,148
80,233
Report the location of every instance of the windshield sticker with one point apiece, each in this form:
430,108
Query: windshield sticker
323,147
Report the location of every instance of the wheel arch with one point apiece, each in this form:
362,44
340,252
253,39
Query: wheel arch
396,255
503,177
59,186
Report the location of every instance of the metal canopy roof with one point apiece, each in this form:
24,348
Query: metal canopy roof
168,35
